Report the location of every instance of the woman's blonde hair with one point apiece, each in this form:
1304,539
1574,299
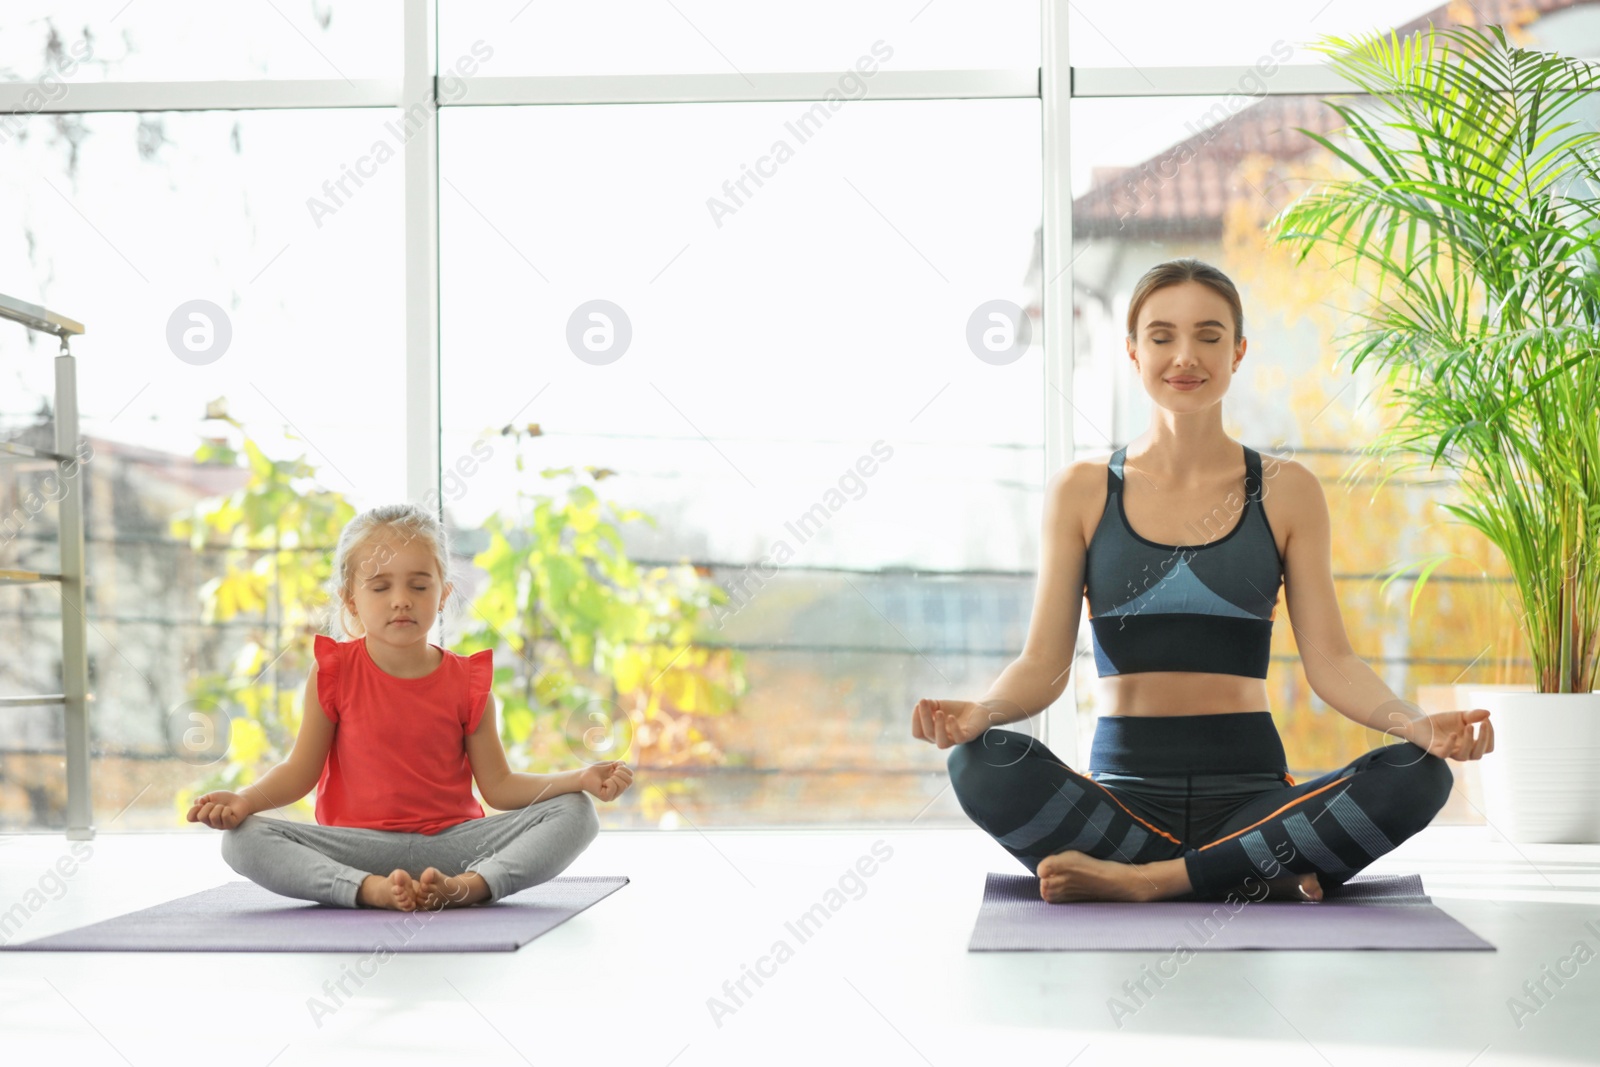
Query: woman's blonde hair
411,523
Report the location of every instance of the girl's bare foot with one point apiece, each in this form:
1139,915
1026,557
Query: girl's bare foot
1076,876
396,892
435,890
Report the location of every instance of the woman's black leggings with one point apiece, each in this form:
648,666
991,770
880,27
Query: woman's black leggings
1213,790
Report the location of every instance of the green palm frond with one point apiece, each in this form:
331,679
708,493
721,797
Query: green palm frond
1472,196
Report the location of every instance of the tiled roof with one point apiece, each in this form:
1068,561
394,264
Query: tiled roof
1181,193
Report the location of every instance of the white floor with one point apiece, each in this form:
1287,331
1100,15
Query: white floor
887,981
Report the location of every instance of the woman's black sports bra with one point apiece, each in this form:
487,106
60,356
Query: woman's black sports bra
1206,608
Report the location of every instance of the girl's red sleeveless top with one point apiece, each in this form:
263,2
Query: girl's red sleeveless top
399,756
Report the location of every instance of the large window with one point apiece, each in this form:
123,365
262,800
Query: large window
1163,177
192,40
734,342
796,402
1203,35
182,241
726,36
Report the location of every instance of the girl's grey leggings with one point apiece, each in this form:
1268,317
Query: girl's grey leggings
511,851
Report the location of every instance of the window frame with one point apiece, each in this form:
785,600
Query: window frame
1054,82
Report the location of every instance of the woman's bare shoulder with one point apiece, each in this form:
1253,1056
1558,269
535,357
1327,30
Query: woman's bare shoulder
1077,492
1080,474
1289,491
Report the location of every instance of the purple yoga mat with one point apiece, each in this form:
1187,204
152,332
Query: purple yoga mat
1377,912
243,917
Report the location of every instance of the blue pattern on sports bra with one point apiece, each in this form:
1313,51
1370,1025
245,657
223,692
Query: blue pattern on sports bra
1207,607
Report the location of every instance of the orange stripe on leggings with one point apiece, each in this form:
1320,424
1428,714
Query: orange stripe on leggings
1136,818
1280,811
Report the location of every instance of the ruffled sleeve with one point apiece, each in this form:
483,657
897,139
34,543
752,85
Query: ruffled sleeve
327,652
480,677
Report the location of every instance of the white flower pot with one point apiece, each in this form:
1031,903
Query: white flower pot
1541,784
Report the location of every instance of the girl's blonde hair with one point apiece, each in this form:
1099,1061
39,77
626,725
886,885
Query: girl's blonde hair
411,523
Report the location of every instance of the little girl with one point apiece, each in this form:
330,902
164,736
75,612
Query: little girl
394,732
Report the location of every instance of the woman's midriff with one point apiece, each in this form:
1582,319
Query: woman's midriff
1152,693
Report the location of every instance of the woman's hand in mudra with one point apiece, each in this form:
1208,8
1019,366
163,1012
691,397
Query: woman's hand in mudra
605,780
948,722
1457,735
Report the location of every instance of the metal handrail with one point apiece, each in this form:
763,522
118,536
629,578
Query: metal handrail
74,695
35,317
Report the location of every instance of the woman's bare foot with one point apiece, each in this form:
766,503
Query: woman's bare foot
1076,876
396,892
435,890
1294,887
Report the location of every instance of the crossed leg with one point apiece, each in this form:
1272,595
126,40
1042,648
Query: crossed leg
1089,841
1331,826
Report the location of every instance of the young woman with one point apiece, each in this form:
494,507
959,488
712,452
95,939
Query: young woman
1188,794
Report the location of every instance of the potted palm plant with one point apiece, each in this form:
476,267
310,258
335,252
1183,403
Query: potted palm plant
1471,220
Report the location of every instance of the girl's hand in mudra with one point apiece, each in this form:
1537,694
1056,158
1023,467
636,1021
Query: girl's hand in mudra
948,722
606,780
219,809
1457,735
